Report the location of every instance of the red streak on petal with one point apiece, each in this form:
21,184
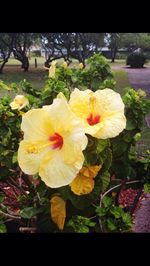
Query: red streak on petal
93,120
57,141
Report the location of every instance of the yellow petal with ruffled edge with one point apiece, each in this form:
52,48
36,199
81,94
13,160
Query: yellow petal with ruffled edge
100,112
91,171
84,183
58,211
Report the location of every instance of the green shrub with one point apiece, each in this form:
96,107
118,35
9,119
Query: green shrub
136,60
113,155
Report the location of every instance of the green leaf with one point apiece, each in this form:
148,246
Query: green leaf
2,196
4,86
14,158
128,135
147,188
116,211
131,124
83,229
107,159
111,225
107,201
101,145
137,136
29,212
3,228
79,202
105,180
123,169
126,217
74,79
101,211
91,224
90,157
119,147
95,84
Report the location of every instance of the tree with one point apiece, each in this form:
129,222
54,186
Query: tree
22,43
6,47
85,44
71,45
132,41
56,46
113,40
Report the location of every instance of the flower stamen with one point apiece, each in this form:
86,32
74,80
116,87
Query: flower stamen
57,141
93,120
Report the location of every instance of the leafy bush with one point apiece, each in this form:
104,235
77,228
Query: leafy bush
10,135
115,219
136,108
72,207
136,60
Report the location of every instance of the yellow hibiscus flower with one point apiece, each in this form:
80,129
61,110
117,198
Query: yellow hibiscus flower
64,64
53,143
81,65
101,112
84,183
52,69
19,102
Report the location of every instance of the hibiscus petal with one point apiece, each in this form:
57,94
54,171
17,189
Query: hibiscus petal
58,211
37,125
90,171
31,154
79,103
108,100
57,172
111,127
82,185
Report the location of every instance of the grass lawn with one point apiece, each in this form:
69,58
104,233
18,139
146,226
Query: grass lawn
16,74
12,72
40,61
121,78
117,62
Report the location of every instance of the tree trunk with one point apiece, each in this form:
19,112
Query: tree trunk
2,66
25,63
114,52
46,64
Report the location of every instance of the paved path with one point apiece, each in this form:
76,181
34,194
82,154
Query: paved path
142,216
138,77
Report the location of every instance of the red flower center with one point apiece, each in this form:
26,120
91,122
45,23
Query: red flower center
57,141
93,120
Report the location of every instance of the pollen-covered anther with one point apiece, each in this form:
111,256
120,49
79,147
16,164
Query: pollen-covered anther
92,99
57,141
32,149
